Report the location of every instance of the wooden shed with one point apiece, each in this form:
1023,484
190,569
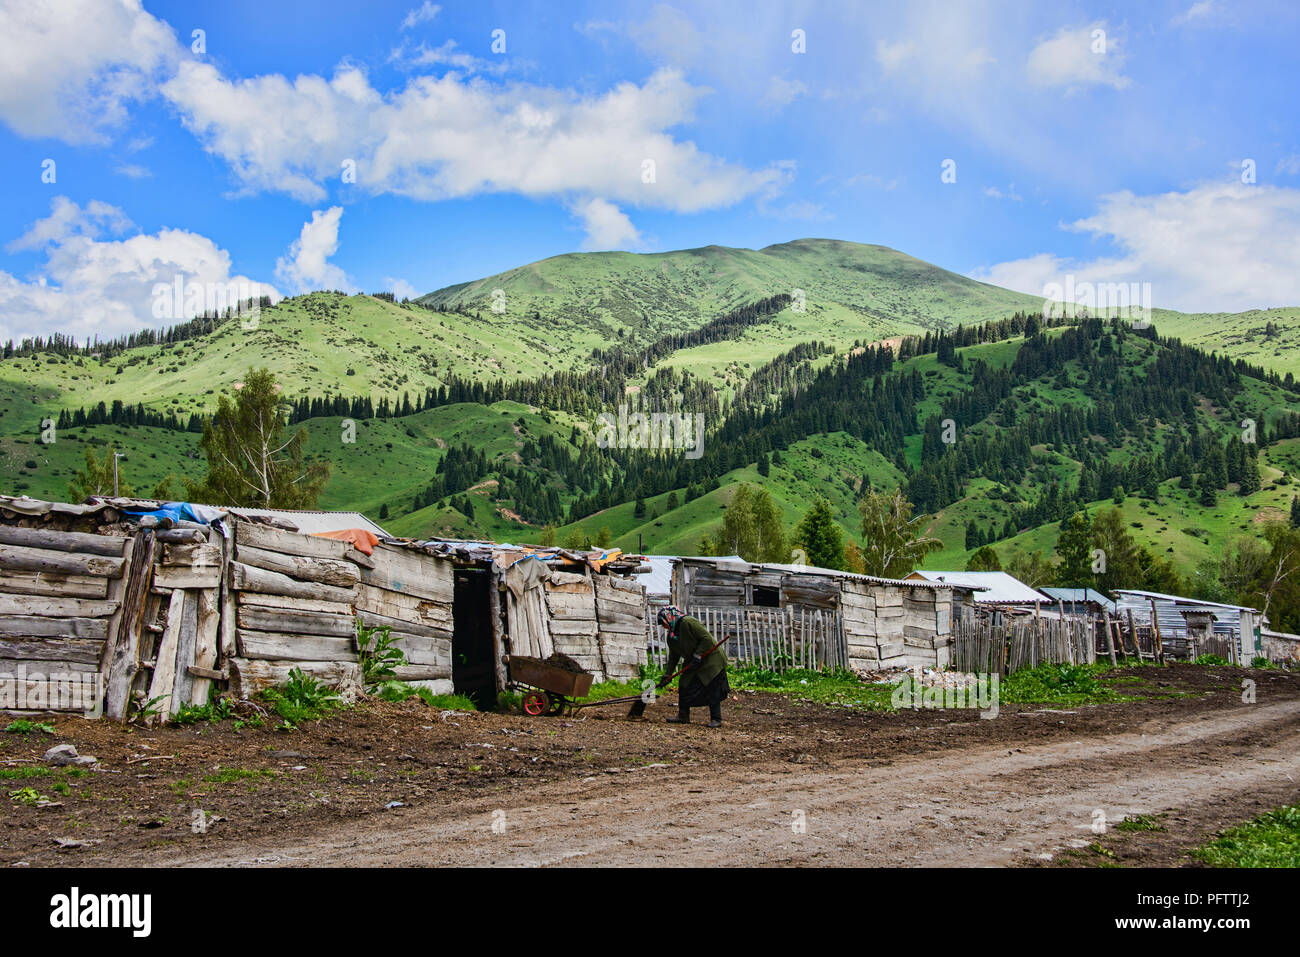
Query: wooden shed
857,621
102,608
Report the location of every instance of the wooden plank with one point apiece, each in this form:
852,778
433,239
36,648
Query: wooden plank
411,573
181,577
420,650
36,626
55,607
22,558
322,570
289,647
294,604
197,556
296,622
84,650
406,607
208,622
372,620
122,648
248,578
52,584
183,683
289,543
163,682
50,667
82,542
249,676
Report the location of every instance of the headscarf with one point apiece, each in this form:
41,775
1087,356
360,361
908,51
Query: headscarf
669,615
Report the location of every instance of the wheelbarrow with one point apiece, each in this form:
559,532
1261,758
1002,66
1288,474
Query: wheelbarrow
547,688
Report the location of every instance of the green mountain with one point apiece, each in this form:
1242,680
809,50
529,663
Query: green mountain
478,422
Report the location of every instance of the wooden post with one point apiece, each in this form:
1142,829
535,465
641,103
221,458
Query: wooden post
1110,640
1155,631
1134,632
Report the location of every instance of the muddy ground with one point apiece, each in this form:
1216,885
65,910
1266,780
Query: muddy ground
782,782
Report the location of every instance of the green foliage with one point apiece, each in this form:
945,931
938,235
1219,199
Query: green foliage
24,726
96,477
1259,661
301,698
377,656
985,559
250,461
821,537
1271,840
1060,683
1074,545
752,528
894,545
401,691
1140,822
1213,660
218,708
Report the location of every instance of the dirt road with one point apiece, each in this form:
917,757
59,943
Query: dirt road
979,805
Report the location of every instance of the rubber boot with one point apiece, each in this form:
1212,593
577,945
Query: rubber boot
715,716
683,716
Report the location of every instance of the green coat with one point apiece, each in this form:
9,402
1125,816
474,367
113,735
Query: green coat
690,637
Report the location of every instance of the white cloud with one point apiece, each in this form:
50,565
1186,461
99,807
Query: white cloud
1289,164
401,289
607,226
134,171
1216,247
103,288
421,14
307,266
1090,55
452,137
70,69
1010,193
1197,13
419,56
782,91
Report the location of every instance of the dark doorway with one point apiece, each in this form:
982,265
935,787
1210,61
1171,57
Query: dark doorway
473,670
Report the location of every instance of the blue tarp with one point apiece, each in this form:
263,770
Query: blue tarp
178,512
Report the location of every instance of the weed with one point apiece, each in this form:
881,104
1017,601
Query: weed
28,796
378,658
218,708
231,775
1271,840
23,726
32,771
1210,660
1140,822
301,698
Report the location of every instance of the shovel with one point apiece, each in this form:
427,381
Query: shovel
639,703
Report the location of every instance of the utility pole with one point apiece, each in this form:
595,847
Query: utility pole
116,456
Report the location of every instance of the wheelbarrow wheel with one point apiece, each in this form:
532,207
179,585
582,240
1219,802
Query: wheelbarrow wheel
536,703
557,705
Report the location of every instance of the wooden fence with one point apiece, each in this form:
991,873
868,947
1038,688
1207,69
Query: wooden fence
986,645
776,638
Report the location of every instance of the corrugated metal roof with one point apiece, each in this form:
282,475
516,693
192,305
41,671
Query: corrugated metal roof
310,522
996,588
1179,599
659,580
1079,595
833,573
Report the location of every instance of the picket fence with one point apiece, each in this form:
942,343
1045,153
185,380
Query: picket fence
776,638
985,645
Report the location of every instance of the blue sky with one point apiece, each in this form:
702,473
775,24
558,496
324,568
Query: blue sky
1153,142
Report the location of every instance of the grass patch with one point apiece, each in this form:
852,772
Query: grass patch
23,726
1271,840
218,708
34,771
838,687
401,691
301,698
1212,660
1140,822
1059,684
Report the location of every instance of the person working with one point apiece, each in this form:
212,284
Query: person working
704,682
